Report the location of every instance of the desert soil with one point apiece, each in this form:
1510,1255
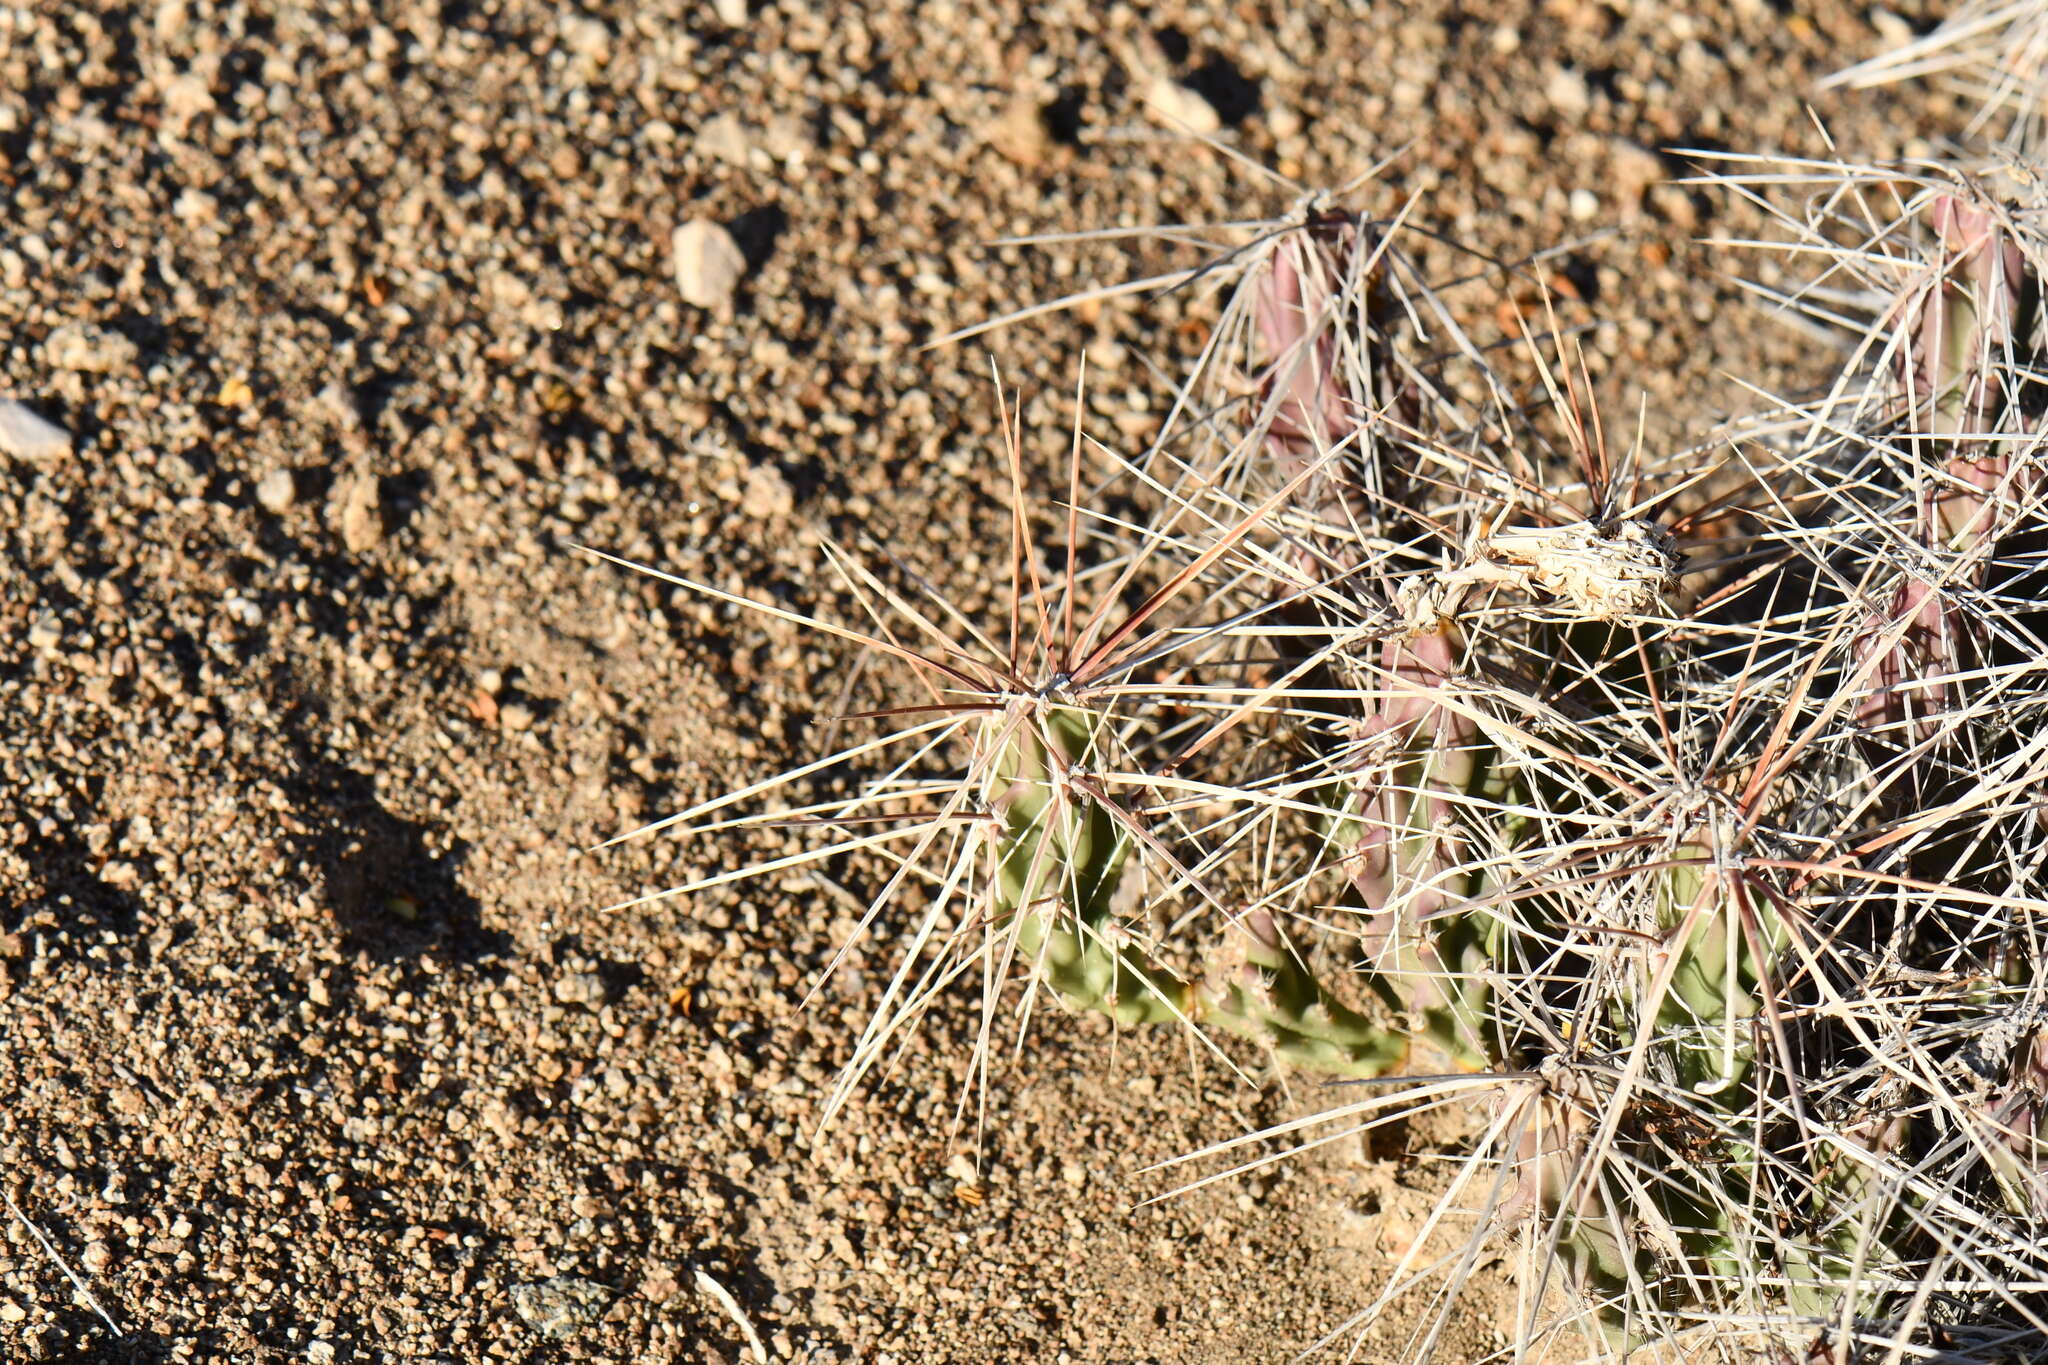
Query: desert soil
316,1041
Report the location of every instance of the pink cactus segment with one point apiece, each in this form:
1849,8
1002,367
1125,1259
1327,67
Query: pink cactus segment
1310,412
1429,752
1993,267
1967,323
1554,1117
1312,402
1927,648
1409,842
1967,326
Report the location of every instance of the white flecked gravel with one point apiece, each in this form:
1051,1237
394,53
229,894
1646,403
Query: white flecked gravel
287,886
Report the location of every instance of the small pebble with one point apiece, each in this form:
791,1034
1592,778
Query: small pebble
1568,93
580,988
1633,170
767,496
516,716
1175,105
722,137
1584,204
731,13
359,512
26,436
185,98
1019,134
708,264
786,139
194,207
91,350
239,608
587,37
339,405
277,490
1895,31
46,633
561,1307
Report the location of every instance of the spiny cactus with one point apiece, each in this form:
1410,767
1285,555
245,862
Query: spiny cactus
1437,738
1060,861
1959,326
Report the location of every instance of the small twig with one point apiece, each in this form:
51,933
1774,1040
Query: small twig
77,1284
707,1285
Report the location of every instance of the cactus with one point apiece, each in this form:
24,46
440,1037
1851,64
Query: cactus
1060,859
1416,752
1960,329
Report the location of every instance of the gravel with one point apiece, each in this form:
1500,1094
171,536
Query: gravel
561,1307
92,350
289,889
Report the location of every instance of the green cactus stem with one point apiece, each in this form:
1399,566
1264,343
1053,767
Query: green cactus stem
1405,853
1061,859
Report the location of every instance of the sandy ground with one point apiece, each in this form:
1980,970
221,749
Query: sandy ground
314,1041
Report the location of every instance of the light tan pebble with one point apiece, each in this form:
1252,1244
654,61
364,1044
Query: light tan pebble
1018,134
26,436
358,511
708,264
277,490
722,137
767,495
1568,93
185,98
1175,105
1633,170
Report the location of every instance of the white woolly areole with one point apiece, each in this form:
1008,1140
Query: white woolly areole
1602,570
1622,568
